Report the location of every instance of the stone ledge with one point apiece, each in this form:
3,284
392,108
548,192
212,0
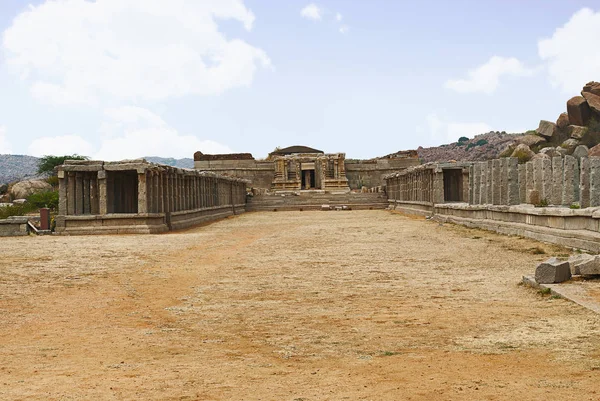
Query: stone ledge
569,291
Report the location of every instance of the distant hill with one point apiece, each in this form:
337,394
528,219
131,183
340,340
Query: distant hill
18,167
482,147
169,161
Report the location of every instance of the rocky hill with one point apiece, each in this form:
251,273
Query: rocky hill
481,147
169,161
17,167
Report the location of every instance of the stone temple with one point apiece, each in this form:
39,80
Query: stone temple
299,168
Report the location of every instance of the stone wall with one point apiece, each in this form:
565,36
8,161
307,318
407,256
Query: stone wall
261,173
13,226
135,196
540,199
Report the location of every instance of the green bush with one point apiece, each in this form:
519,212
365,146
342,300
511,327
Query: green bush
463,139
481,142
44,199
15,210
49,162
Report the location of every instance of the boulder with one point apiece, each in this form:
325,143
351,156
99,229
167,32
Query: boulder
580,151
592,87
552,271
523,153
550,151
577,131
570,145
561,151
540,156
547,129
563,121
589,266
19,201
595,151
578,110
593,101
530,140
25,188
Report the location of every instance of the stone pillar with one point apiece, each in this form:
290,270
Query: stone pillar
529,180
94,194
557,181
547,179
496,182
538,177
78,193
483,183
504,181
62,193
512,175
438,186
594,181
102,193
490,181
569,165
87,209
584,182
142,193
522,184
475,181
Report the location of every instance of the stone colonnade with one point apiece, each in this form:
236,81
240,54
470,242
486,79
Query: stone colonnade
138,187
412,186
559,181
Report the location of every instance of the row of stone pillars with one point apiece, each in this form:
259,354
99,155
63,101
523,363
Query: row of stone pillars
158,189
560,181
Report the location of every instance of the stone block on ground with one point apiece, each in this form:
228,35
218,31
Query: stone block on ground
576,260
325,207
589,266
552,271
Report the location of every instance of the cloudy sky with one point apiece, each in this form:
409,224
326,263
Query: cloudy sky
114,79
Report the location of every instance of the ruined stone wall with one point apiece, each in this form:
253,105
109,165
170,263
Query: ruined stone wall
13,226
371,173
135,196
559,181
260,173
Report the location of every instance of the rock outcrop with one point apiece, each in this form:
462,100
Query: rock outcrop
578,111
23,189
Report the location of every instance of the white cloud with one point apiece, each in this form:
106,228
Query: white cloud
571,53
5,147
344,29
441,131
486,77
338,17
74,51
60,145
312,12
132,132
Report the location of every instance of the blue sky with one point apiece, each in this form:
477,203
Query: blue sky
117,79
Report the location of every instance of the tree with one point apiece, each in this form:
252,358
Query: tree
462,139
48,163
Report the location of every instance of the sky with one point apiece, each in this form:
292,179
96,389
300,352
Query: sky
117,79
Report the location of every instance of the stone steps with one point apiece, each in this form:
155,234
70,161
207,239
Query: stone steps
314,201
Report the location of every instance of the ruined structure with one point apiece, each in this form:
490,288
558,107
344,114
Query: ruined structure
301,167
548,199
134,196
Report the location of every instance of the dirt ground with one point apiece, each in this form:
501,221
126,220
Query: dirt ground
361,305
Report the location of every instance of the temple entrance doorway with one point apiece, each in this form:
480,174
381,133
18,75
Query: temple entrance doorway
308,176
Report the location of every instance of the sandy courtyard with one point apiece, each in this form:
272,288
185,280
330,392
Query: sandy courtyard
361,305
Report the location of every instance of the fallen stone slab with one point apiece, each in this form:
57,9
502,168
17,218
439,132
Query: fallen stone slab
325,207
576,260
589,266
552,271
